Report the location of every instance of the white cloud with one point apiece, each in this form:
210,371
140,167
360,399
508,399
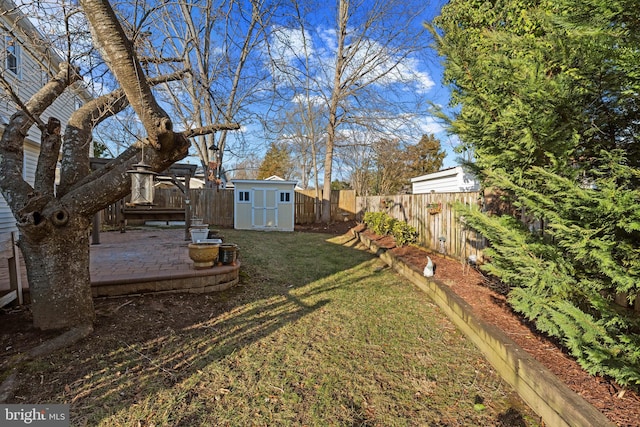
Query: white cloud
422,80
387,68
302,99
329,38
430,125
383,67
288,44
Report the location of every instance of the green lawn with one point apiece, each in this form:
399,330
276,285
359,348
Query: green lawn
317,333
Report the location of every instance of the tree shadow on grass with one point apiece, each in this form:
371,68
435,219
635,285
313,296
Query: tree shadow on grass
184,356
143,345
137,365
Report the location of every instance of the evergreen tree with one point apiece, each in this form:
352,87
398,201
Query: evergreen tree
547,94
424,157
340,185
276,162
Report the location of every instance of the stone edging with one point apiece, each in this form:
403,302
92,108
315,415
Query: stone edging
214,279
549,397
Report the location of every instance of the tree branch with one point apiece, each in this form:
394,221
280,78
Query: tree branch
205,130
121,163
111,183
8,88
78,133
118,51
155,60
42,99
49,149
15,189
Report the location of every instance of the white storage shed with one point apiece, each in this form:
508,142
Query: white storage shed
264,205
451,180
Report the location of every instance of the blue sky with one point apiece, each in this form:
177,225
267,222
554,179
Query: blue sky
419,74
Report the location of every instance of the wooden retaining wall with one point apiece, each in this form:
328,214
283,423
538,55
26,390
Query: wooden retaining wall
549,397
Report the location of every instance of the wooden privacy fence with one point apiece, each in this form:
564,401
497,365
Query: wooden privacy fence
215,207
432,215
308,208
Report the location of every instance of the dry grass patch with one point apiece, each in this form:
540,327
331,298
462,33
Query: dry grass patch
317,333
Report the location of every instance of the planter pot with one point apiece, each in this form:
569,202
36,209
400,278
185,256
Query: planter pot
204,255
228,254
434,208
199,233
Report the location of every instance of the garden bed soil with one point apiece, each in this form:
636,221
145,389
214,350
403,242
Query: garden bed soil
619,404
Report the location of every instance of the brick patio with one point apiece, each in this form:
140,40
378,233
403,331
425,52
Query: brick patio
146,260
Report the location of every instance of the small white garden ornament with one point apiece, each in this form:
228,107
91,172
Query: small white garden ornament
428,269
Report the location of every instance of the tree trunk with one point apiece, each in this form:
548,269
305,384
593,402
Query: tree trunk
326,187
334,103
58,272
54,225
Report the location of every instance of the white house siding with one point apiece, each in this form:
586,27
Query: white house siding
31,78
7,222
36,66
31,153
452,180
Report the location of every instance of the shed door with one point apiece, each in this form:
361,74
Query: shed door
264,209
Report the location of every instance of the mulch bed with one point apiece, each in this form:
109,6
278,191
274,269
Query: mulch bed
620,405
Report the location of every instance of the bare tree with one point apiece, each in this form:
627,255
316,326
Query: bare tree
302,131
54,225
217,41
386,166
357,161
361,69
302,118
246,168
371,52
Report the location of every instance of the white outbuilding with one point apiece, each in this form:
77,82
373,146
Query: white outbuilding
450,180
264,204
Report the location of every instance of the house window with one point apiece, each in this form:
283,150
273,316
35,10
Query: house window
243,196
285,197
12,55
